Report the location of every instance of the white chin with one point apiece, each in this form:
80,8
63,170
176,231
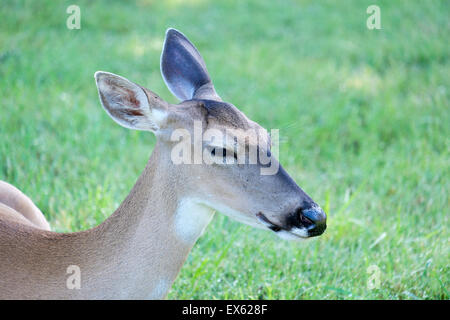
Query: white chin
295,234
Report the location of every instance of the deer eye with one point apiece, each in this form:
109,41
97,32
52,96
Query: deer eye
222,152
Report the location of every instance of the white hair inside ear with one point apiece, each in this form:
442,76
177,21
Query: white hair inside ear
129,104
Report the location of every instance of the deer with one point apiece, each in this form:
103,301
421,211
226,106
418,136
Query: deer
138,251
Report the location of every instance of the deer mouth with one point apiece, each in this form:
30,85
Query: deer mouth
299,233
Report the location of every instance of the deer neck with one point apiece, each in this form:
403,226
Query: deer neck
147,239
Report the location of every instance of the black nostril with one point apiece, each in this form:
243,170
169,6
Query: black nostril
316,215
304,220
313,219
299,220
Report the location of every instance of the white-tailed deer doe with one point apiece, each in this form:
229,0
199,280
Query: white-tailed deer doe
138,251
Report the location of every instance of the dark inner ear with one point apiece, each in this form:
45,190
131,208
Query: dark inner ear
184,70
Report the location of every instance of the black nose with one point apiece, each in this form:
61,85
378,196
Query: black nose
318,219
313,219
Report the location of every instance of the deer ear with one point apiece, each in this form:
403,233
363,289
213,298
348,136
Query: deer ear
183,69
130,105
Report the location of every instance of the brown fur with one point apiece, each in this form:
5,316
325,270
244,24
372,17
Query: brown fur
124,257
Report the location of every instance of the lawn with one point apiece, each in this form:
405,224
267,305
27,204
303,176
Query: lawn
363,116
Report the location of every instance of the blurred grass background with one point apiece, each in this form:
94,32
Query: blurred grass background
363,117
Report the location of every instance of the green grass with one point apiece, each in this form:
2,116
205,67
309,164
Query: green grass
363,116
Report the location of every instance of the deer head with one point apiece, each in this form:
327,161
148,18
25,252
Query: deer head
207,145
